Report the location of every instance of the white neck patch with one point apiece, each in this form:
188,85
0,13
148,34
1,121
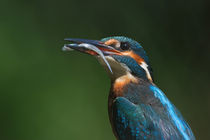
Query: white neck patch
145,67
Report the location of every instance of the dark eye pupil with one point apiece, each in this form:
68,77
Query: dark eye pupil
124,46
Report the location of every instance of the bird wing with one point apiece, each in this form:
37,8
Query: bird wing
131,121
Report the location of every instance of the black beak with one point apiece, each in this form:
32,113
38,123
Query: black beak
78,44
79,41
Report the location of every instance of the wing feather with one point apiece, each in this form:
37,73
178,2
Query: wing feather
131,121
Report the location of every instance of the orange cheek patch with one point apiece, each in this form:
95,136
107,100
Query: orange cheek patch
111,42
133,55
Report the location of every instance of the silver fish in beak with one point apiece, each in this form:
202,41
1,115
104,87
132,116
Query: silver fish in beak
92,47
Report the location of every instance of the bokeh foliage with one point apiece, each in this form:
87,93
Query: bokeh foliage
47,94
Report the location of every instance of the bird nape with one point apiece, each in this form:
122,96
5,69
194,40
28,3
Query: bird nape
137,108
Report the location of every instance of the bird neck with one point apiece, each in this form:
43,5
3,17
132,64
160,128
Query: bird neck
120,84
127,64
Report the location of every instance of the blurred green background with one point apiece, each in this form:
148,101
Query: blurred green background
47,94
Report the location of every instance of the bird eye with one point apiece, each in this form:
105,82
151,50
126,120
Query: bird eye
125,45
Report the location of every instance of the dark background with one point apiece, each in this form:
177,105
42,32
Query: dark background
47,94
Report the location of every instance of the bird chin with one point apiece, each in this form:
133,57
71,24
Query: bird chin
119,69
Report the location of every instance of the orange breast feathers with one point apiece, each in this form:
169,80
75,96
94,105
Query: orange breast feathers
121,82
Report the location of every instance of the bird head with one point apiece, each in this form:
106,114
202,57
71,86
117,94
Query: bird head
119,55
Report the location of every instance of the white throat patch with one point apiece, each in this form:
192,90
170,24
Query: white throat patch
145,67
119,69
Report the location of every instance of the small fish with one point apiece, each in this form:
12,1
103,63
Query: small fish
70,47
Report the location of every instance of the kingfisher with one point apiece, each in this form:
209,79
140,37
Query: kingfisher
138,109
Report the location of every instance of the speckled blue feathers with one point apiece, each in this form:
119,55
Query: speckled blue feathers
145,113
131,122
